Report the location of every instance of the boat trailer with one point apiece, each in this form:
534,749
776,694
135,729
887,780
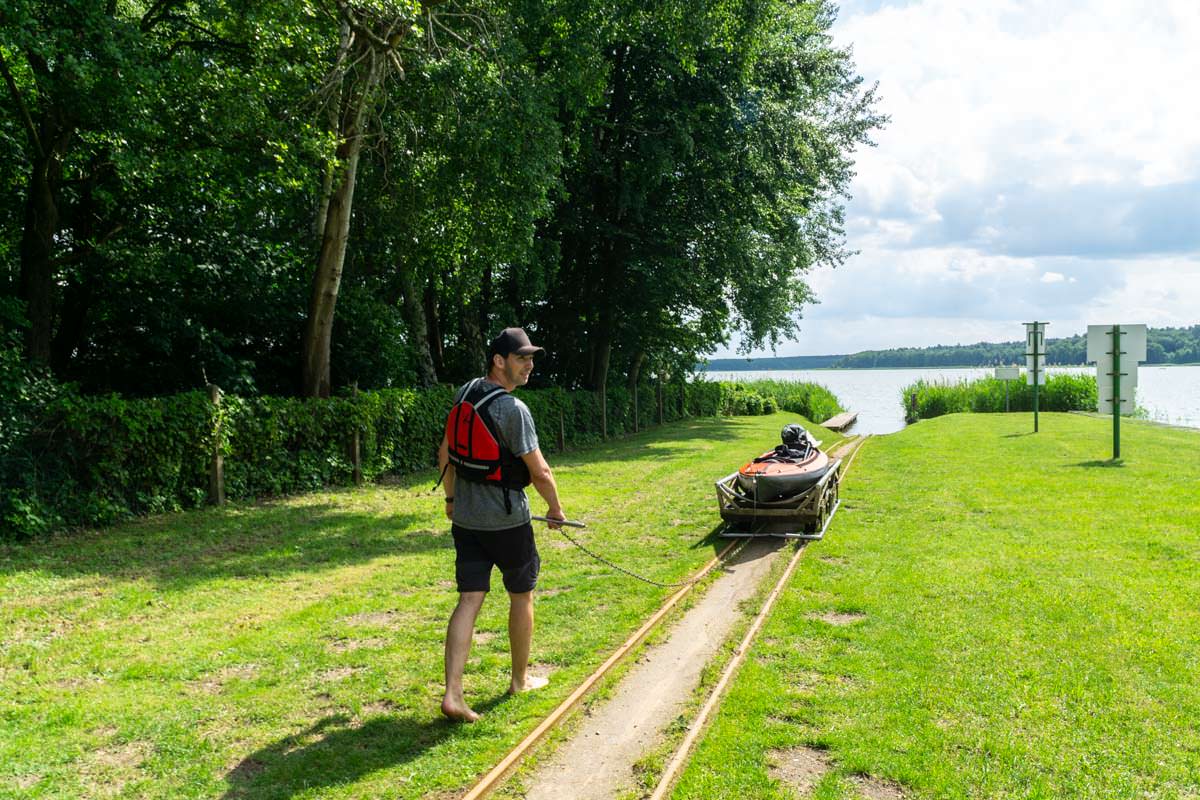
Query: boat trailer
801,516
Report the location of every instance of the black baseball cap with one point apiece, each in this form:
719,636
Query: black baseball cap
513,340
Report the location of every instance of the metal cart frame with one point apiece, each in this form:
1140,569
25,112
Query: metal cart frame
802,516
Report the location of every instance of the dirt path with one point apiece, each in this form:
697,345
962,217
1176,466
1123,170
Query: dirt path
596,762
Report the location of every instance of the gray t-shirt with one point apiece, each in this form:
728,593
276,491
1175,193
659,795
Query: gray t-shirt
481,507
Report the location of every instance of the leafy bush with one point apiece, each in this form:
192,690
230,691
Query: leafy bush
809,400
1062,392
24,393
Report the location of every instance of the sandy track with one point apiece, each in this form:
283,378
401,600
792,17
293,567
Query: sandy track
596,762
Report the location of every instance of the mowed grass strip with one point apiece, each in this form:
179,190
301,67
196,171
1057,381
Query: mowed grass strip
994,614
294,648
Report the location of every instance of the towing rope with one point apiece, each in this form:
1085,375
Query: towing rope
689,581
631,573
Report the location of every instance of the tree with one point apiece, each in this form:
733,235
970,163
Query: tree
707,180
146,171
60,65
376,40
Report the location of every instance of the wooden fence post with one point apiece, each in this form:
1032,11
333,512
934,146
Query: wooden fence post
660,401
216,466
562,432
355,450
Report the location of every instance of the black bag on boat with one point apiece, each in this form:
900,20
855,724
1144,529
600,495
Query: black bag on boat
795,436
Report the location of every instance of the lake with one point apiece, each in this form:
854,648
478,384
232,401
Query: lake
1169,394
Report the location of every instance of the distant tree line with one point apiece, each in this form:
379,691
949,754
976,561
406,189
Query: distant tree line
285,198
1163,346
781,362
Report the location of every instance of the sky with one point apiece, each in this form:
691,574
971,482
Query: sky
1042,161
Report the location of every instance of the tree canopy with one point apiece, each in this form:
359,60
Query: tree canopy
292,197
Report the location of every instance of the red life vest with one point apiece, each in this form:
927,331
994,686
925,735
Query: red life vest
476,449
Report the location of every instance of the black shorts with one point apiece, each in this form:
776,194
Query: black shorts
512,550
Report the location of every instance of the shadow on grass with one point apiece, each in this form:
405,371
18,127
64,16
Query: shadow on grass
1107,463
713,540
334,751
258,541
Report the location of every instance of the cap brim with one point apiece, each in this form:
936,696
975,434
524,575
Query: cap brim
529,350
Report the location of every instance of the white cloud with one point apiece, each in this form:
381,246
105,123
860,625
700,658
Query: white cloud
1042,162
1063,92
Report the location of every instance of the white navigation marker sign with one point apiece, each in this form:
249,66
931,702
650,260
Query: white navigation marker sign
1035,361
1035,353
1100,350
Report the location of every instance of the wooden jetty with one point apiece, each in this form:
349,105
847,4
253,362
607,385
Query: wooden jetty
841,421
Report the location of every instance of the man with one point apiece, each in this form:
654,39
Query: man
490,519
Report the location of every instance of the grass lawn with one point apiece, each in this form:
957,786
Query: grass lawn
293,649
994,614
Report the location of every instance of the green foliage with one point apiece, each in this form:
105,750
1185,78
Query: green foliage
1062,392
24,392
632,181
215,638
695,201
73,460
808,399
999,615
96,460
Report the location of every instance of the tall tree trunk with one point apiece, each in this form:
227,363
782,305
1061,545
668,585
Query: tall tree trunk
485,301
474,317
328,172
412,306
601,355
36,286
434,330
79,291
77,302
635,370
322,215
472,339
318,328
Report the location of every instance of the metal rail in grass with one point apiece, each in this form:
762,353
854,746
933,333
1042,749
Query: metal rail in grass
832,478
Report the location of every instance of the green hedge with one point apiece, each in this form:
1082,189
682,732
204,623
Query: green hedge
810,400
1062,392
87,461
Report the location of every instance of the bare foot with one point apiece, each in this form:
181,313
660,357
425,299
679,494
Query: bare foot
459,712
532,682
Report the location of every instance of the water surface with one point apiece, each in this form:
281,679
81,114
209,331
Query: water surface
1168,394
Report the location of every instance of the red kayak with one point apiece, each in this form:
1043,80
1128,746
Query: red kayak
790,469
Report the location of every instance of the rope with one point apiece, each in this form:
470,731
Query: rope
630,573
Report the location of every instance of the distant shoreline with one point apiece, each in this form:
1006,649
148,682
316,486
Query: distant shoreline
713,367
1164,346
